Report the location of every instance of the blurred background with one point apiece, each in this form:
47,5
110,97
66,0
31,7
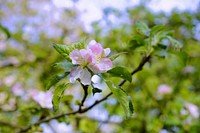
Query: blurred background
165,93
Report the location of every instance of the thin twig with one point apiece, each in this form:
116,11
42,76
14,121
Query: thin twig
139,68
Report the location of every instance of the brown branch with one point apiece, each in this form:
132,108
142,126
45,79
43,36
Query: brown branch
80,111
85,88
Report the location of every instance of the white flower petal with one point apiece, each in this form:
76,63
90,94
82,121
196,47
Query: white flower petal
75,56
92,42
85,77
107,51
74,74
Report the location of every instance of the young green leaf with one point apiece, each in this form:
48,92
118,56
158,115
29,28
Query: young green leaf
55,79
123,99
156,29
158,33
57,96
121,72
142,28
65,65
80,44
64,50
136,42
6,31
174,42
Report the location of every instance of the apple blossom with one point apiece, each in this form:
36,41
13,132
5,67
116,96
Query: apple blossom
92,60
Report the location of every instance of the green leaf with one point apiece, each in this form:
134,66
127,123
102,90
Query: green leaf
121,72
96,90
174,42
142,28
6,31
182,57
156,38
65,65
158,33
155,29
113,57
80,44
57,96
64,50
123,99
54,79
162,53
137,41
67,98
131,108
77,102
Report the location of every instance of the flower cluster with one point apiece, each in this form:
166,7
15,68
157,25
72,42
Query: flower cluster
89,61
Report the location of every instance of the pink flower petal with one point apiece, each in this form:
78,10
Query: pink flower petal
76,57
94,68
86,55
103,65
96,48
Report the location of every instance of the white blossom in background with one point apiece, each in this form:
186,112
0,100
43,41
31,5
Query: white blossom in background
9,80
43,98
18,90
3,46
164,89
192,109
189,69
55,127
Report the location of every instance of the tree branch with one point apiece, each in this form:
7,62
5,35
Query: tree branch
85,88
145,59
